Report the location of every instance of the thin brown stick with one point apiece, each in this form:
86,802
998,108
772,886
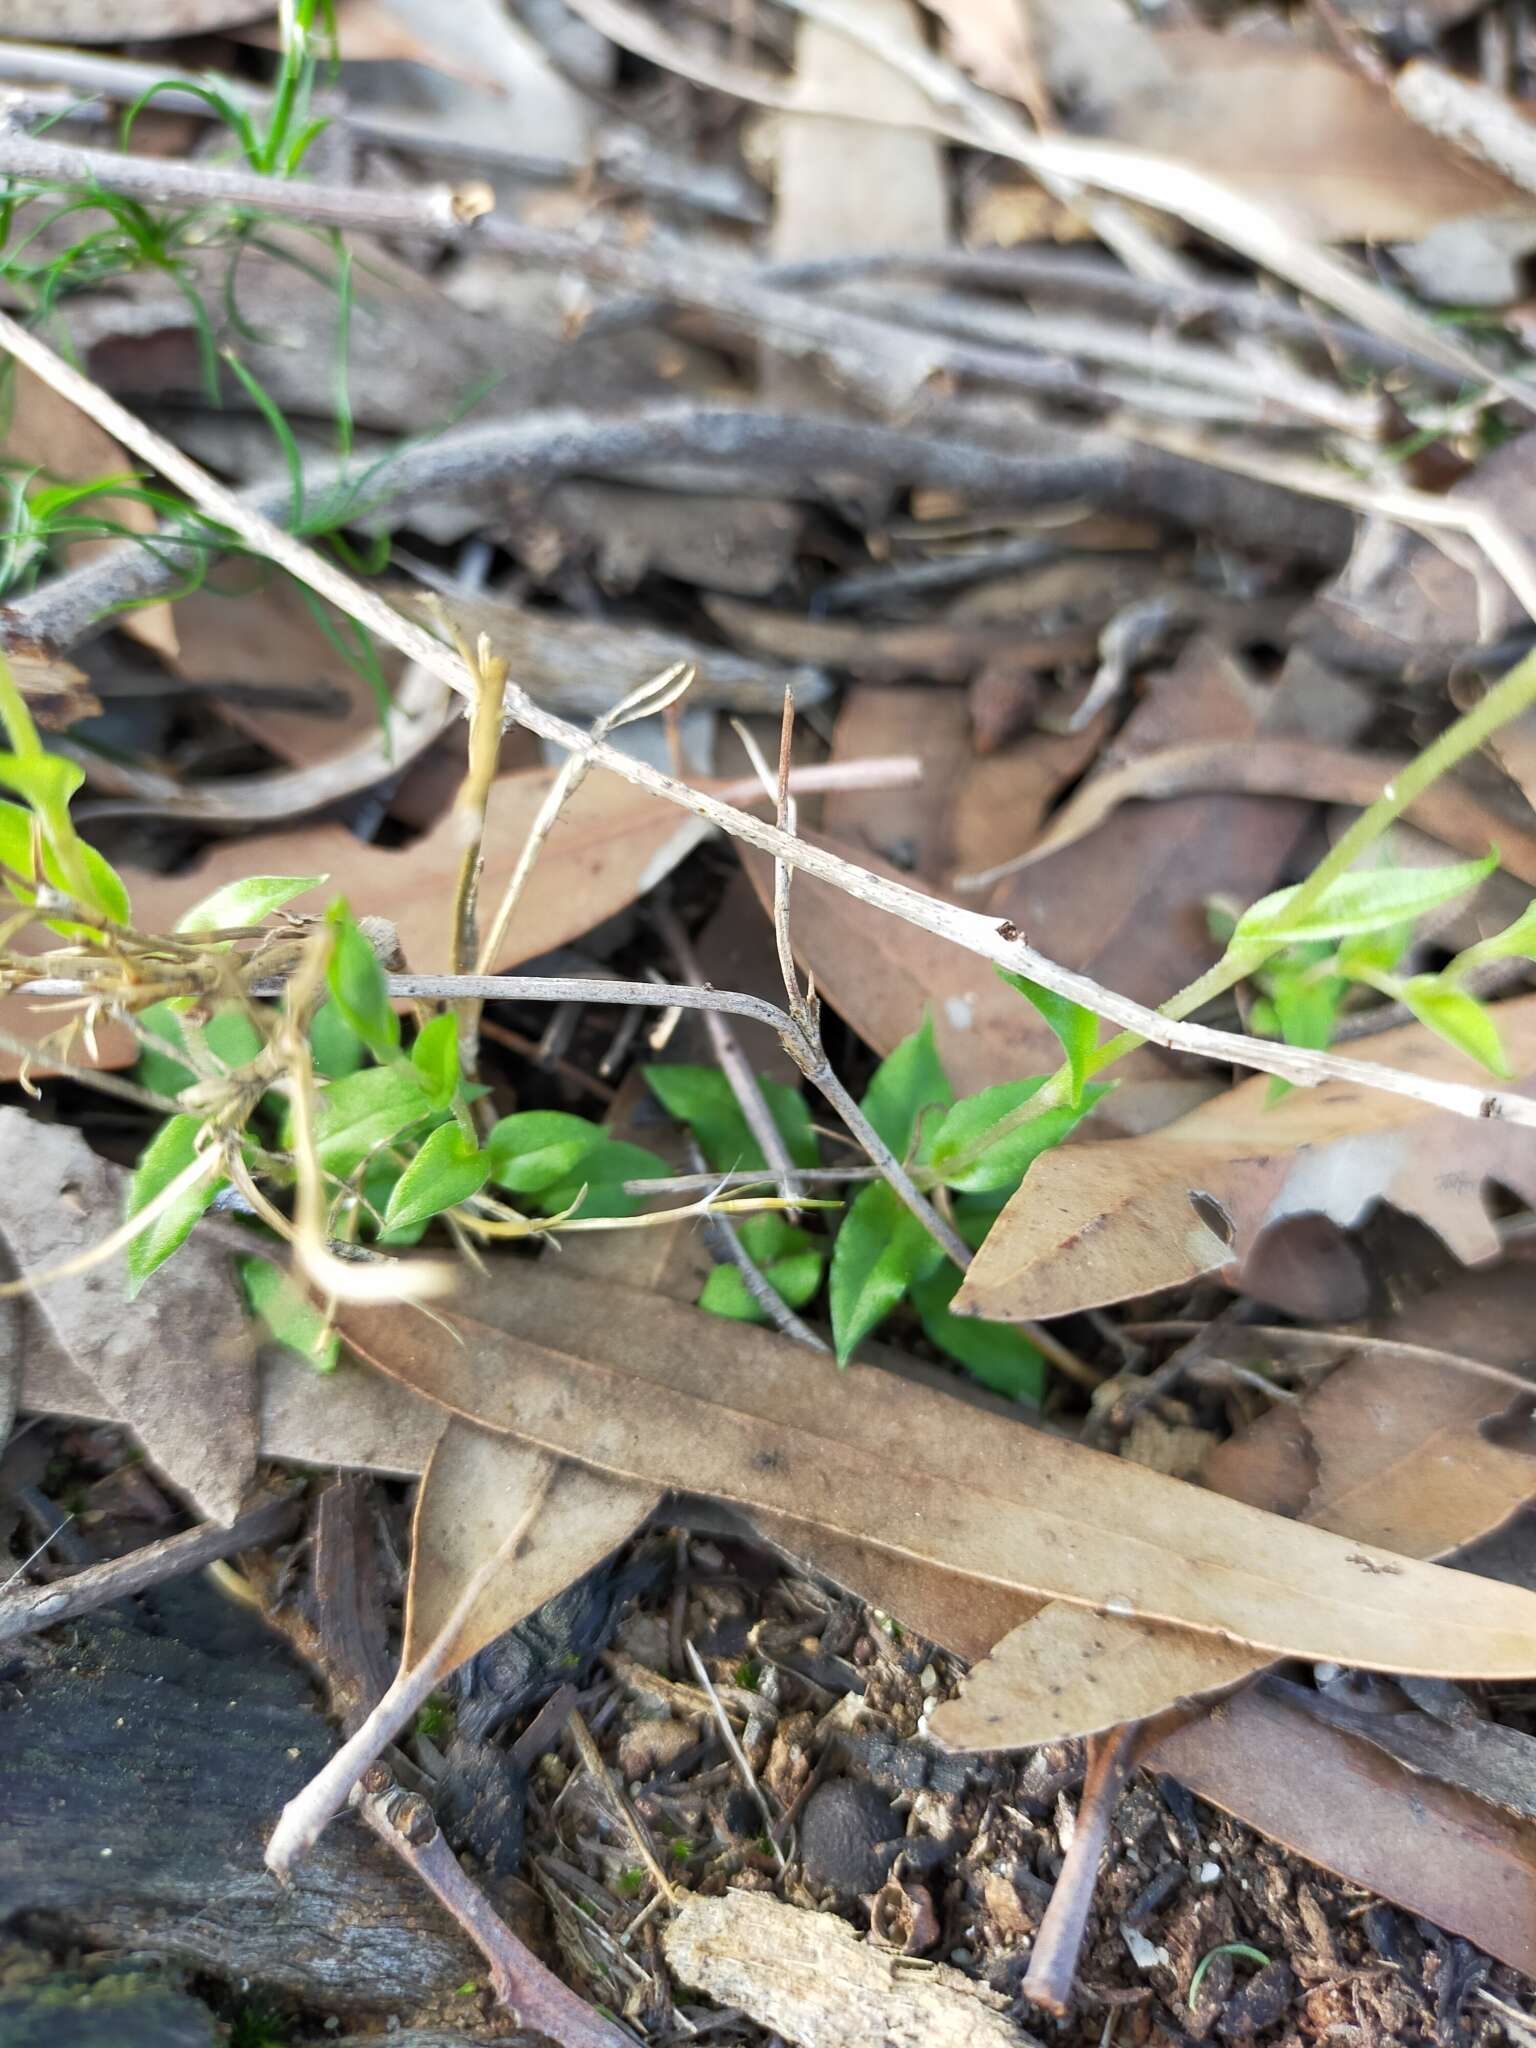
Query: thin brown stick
1053,1964
535,1996
34,1607
1001,944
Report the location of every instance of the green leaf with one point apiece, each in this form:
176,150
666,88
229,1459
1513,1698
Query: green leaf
603,1172
1306,1010
1516,941
702,1098
358,986
1358,903
997,1354
540,1148
1076,1029
880,1251
245,902
334,1046
363,1111
905,1084
290,1316
1457,1017
435,1056
794,1279
1007,1161
449,1168
169,1153
97,883
229,1034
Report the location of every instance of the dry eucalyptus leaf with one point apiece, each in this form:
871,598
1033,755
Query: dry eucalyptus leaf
472,1498
1393,1448
123,21
176,1365
753,1419
1104,1222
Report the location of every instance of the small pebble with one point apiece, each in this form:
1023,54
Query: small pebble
1208,1873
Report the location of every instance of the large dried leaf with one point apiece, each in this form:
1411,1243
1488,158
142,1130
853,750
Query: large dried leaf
469,1512
1393,1448
1437,1850
750,1418
117,21
175,1365
1103,1222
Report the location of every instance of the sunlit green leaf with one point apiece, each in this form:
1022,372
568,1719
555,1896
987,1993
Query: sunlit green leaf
169,1153
435,1056
365,1110
905,1085
1076,1029
997,1354
1358,903
245,902
358,986
1009,1158
1458,1017
290,1316
880,1251
449,1168
1517,941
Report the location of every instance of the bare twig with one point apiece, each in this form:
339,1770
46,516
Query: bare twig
1053,1963
721,1232
440,211
731,1059
1484,123
1002,944
35,1607
734,1749
537,1998
617,1799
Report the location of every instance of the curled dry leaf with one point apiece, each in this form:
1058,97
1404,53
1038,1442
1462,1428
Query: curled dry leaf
755,1420
175,1365
1103,1222
1399,1446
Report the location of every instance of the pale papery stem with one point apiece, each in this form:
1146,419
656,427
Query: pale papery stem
973,931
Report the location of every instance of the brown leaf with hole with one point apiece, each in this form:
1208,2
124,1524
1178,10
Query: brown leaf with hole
1397,1447
752,1419
176,1365
472,1498
1096,1223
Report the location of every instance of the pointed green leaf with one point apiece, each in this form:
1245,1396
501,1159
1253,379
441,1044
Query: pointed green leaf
540,1148
997,1354
334,1046
169,1153
291,1317
908,1082
449,1168
1358,903
1457,1017
603,1172
702,1098
1006,1162
435,1056
363,1111
880,1251
245,902
1307,1010
1517,941
1076,1029
358,986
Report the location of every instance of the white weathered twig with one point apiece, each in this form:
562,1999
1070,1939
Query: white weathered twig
1484,123
971,930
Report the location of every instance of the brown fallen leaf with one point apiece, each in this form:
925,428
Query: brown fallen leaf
118,21
46,432
176,1365
915,1472
1392,1448
1449,811
472,1498
1323,1793
1495,1764
910,829
940,651
1103,1222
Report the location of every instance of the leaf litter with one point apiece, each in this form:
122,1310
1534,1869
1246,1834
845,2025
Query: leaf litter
1135,680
